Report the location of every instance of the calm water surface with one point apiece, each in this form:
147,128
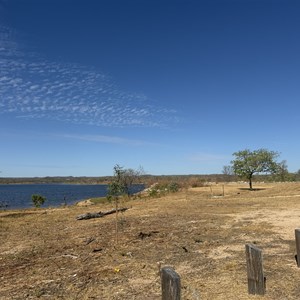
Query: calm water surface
15,196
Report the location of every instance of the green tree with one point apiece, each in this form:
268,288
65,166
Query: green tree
38,200
247,163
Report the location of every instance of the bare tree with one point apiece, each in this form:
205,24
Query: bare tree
121,185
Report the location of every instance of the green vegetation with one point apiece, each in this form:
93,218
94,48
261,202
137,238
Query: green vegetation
163,188
117,187
247,163
38,200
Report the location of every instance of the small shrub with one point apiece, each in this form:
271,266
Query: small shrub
195,182
38,200
163,188
153,192
173,187
3,204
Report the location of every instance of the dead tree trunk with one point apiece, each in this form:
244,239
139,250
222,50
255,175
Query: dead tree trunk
99,214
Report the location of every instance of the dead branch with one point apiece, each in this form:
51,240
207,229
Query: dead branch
99,214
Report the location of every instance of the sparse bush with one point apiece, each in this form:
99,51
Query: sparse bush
163,188
153,192
173,187
195,182
38,200
120,186
3,204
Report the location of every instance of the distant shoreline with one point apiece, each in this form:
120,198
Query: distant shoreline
55,180
51,183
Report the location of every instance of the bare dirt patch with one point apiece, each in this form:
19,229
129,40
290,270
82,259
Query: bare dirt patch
49,254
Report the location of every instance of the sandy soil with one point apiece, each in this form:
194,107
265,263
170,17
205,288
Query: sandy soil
49,254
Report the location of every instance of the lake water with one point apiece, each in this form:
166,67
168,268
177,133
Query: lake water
15,196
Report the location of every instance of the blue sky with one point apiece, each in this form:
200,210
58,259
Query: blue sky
173,86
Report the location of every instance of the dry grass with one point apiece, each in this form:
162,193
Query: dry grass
48,254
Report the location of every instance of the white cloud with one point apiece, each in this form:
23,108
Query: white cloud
69,93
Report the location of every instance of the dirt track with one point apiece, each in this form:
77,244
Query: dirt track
48,254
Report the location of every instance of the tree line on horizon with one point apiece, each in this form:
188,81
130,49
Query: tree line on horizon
251,166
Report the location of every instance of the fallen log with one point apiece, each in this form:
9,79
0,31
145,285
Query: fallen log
99,214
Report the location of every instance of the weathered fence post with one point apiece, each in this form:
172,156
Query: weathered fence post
297,236
170,284
255,274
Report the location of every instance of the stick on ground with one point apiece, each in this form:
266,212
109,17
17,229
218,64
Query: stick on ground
99,214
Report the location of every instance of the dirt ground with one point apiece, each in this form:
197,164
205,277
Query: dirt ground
48,254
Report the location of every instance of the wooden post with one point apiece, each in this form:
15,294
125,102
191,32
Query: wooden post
223,189
297,236
256,280
170,283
